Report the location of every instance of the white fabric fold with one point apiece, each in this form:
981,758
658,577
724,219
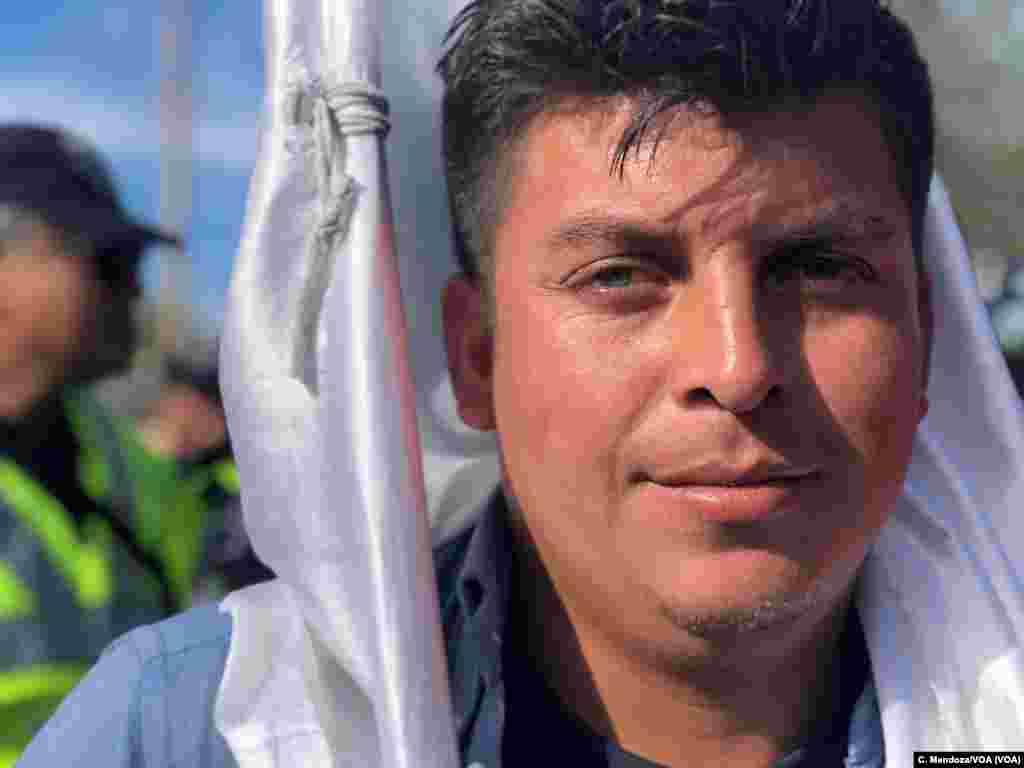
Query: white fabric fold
338,662
321,407
942,595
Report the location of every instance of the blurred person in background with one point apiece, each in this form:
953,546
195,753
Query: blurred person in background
80,499
186,420
186,424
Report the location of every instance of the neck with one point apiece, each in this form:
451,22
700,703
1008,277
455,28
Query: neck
747,705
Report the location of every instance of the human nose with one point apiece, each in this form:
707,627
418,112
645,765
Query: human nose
729,347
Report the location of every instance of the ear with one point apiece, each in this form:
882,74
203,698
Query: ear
469,344
927,320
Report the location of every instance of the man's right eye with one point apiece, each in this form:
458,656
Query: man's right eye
620,286
616,277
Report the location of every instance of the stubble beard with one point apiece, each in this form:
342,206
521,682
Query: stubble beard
737,626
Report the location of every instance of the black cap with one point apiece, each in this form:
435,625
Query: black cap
66,183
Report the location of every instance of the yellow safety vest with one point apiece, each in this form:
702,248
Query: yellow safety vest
67,590
198,516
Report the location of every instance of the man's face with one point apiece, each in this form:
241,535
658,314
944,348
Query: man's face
705,376
60,322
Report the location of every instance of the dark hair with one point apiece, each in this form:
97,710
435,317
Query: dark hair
510,60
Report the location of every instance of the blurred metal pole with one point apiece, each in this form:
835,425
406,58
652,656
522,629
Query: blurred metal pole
175,44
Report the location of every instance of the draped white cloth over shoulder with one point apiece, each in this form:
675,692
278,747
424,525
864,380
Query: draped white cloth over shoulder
942,595
339,661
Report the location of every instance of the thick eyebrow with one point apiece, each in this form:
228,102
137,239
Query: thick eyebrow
590,228
838,220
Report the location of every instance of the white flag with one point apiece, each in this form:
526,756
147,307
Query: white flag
321,407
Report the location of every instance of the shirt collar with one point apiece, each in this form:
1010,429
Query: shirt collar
476,627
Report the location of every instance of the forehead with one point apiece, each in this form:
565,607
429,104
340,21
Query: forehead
748,176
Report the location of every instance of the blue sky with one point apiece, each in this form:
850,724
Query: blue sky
94,66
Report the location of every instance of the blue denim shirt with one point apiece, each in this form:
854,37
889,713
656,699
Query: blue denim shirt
149,702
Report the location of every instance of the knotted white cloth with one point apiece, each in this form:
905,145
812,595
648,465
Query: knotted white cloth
338,661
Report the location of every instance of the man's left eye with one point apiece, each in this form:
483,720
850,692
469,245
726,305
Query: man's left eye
814,264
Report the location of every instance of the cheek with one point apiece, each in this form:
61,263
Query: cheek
37,307
70,312
566,392
868,374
